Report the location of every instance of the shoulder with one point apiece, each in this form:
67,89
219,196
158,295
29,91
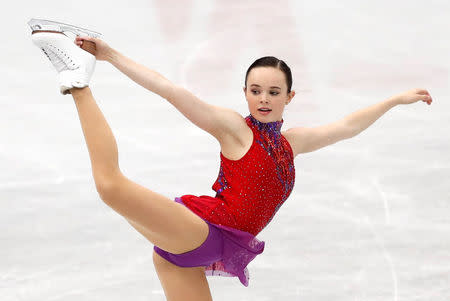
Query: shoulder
298,138
238,138
229,124
290,139
237,129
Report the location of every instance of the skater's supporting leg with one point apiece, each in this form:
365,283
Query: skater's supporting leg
99,138
181,283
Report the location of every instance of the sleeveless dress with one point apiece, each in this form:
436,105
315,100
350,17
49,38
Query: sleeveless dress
249,192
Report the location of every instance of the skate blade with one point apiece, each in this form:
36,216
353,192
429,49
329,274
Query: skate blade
48,25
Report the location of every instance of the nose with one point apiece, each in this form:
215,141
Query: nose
263,97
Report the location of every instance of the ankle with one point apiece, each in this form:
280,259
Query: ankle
79,91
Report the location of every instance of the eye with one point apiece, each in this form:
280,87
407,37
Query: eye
274,93
254,91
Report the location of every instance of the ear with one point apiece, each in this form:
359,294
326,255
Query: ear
245,90
290,96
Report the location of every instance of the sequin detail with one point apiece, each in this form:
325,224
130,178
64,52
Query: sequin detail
222,181
250,191
271,141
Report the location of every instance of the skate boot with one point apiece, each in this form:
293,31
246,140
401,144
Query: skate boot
73,64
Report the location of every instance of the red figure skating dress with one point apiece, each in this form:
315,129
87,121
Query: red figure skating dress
249,192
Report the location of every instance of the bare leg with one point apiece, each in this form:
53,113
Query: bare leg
99,138
182,284
165,223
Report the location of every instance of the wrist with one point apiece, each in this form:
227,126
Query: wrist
394,101
112,56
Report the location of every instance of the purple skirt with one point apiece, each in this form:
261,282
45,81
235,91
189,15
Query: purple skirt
225,252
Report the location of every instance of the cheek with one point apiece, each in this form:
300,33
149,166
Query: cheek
252,98
252,102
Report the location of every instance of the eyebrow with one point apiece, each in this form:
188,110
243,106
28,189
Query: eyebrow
260,86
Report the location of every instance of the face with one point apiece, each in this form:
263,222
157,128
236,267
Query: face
267,88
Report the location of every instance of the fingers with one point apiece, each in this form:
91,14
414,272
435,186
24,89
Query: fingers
79,40
425,95
87,38
427,99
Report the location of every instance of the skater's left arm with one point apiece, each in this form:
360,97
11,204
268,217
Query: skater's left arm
305,139
362,119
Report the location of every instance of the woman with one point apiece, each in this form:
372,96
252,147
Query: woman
197,236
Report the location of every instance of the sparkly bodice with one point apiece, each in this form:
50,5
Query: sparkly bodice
249,191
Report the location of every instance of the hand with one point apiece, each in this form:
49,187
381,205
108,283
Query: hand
99,48
413,96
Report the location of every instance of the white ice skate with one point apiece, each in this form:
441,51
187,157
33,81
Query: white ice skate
73,64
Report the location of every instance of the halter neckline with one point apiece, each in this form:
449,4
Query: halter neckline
271,127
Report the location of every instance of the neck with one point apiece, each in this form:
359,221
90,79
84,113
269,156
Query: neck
272,126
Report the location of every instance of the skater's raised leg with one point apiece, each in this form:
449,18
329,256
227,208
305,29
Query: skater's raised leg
167,224
163,219
99,138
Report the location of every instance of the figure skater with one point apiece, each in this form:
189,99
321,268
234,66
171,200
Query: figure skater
199,236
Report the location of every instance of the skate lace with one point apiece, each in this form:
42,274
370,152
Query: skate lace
59,58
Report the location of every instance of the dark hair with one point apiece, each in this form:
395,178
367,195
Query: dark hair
271,61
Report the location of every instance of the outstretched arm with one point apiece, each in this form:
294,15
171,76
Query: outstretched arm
305,139
147,78
362,119
217,121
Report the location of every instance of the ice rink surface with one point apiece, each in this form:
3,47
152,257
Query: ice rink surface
369,217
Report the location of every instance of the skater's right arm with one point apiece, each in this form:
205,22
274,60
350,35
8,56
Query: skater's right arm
222,123
218,121
147,78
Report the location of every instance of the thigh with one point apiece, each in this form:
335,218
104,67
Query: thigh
164,222
180,283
